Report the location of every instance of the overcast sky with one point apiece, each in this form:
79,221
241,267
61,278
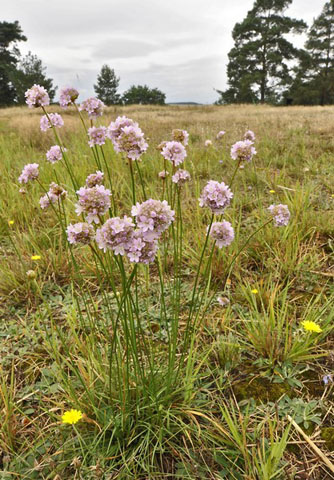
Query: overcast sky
179,46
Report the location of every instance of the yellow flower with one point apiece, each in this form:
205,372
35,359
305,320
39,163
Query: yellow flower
272,191
311,326
71,416
332,195
255,290
35,257
10,222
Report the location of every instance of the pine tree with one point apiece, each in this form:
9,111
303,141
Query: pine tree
314,82
30,70
258,67
143,95
10,34
107,85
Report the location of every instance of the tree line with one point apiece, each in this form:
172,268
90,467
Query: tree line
18,73
265,66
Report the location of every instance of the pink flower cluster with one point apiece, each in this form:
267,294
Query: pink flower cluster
153,217
163,174
55,193
115,235
55,121
141,249
37,96
81,232
29,172
222,233
181,177
94,179
216,196
130,140
93,202
243,151
175,152
208,143
97,136
115,128
281,214
181,136
54,154
67,96
93,106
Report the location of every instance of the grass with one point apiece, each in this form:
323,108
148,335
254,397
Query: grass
219,410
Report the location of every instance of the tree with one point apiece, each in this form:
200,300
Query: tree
30,71
314,82
259,63
10,34
107,85
143,95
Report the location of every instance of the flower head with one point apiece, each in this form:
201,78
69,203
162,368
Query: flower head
281,214
97,136
31,274
181,136
55,121
29,172
93,106
11,222
153,217
35,257
141,249
327,379
94,179
55,193
249,135
67,96
255,291
208,143
174,152
37,96
243,151
131,141
220,134
71,417
54,154
164,174
115,234
115,128
81,232
181,177
216,196
93,202
310,326
223,301
222,233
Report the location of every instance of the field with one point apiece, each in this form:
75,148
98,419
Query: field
171,382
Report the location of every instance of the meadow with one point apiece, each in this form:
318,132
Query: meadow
196,365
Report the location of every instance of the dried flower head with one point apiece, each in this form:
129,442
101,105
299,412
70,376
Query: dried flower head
164,174
208,143
94,179
55,193
181,136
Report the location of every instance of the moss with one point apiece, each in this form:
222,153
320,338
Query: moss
327,434
262,390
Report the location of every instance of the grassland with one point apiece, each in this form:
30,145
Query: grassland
253,365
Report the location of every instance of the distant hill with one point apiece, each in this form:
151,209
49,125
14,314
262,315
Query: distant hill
183,103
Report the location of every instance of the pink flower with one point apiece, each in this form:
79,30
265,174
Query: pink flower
131,141
208,143
243,151
153,217
115,128
97,136
174,152
67,96
54,154
55,119
115,234
220,135
93,202
81,232
140,249
93,106
164,174
37,96
29,172
222,233
281,214
181,177
55,193
249,135
216,196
